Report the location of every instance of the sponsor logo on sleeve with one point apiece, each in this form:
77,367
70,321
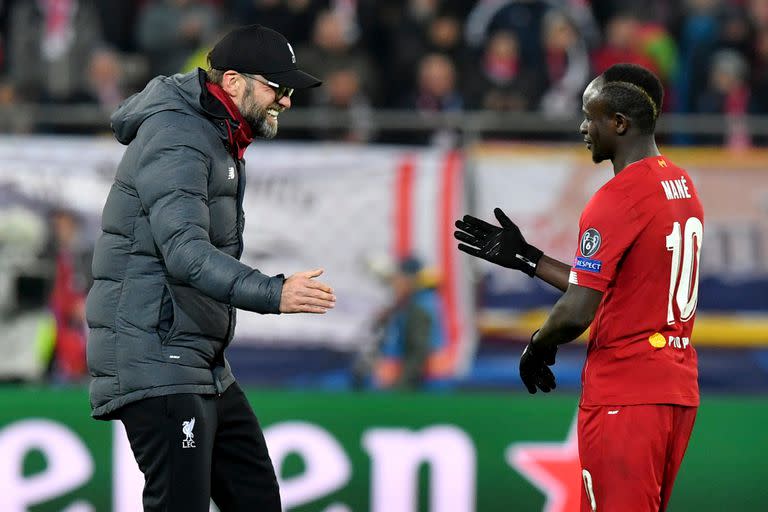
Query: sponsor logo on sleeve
657,340
590,242
588,264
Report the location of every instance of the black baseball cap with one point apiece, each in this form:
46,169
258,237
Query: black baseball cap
258,50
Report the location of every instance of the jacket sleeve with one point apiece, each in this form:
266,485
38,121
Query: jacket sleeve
172,184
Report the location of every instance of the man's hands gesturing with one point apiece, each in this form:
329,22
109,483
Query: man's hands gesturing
302,294
503,245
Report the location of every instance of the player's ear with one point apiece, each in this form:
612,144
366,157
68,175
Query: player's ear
230,82
621,123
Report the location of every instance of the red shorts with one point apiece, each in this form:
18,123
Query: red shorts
630,455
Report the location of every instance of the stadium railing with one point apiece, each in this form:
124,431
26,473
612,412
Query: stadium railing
29,117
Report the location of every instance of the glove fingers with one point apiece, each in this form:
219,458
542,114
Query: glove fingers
472,251
505,221
466,237
479,223
529,383
477,233
480,232
528,373
545,379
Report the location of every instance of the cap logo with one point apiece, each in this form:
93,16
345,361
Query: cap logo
293,55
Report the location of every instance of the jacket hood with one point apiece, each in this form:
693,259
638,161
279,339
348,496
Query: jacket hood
183,93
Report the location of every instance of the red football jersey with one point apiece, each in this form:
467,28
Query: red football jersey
639,242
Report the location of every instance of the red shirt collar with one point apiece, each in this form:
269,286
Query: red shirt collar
240,138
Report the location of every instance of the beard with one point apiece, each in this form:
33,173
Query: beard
262,125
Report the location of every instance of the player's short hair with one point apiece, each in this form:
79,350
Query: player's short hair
635,91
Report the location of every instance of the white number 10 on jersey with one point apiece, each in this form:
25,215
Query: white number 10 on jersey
684,278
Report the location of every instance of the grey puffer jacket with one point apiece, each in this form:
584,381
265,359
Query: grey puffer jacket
167,275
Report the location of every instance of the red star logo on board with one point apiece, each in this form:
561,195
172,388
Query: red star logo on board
553,467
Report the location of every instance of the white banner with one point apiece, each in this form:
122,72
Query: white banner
335,207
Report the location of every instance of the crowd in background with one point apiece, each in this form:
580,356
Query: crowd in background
424,55
45,274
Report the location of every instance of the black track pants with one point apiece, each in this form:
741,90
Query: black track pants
192,448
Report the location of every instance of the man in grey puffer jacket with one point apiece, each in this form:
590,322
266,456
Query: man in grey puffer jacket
168,280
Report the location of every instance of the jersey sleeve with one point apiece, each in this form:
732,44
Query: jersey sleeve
608,226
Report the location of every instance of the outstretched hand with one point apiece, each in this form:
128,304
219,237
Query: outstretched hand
303,294
503,245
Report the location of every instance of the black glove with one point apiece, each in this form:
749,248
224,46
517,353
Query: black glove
503,245
534,367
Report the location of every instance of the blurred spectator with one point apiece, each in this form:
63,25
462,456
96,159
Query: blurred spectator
728,93
436,92
377,22
622,44
70,286
436,89
4,29
423,29
169,31
759,77
50,44
351,108
522,18
292,18
657,43
501,82
46,46
698,40
332,50
199,57
7,93
736,31
413,328
408,40
661,12
106,80
525,18
118,22
444,36
26,325
758,13
567,65
759,81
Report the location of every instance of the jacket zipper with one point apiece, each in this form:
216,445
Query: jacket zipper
240,213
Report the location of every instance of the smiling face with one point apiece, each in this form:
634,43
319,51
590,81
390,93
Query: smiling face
256,101
598,126
259,106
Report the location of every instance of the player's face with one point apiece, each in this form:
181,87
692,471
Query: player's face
596,126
